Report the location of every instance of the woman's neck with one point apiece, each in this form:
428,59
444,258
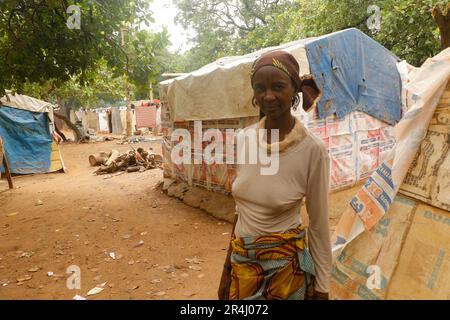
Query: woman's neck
284,124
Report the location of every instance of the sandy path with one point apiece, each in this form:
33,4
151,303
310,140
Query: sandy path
84,218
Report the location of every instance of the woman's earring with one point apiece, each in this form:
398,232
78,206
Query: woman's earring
254,103
295,103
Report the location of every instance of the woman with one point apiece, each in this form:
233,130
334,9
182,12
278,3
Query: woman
269,257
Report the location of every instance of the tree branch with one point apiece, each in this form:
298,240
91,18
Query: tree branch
77,132
442,18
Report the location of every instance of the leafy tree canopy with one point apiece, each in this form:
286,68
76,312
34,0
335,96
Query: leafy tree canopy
240,26
38,47
225,27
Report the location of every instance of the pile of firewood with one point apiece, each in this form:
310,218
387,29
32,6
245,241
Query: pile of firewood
133,161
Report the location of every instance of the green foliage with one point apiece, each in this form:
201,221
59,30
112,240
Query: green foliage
318,17
101,87
38,45
233,27
41,56
40,50
148,59
227,27
407,26
409,30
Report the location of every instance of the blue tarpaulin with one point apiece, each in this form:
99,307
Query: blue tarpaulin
355,73
27,140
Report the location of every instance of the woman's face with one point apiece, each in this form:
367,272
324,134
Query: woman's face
274,91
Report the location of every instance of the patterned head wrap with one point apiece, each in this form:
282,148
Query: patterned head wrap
287,63
283,61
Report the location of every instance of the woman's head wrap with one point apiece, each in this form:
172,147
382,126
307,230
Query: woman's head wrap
283,61
286,62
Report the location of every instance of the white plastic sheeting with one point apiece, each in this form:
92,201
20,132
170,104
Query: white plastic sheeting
23,102
221,90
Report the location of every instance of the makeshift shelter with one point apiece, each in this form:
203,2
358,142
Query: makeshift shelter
393,240
103,120
116,121
97,120
352,117
26,128
92,120
145,117
123,117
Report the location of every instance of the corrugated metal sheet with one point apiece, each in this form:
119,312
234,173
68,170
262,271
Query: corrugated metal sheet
116,120
145,117
92,120
103,121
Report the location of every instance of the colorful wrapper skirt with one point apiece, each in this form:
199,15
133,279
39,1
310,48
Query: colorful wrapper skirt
272,267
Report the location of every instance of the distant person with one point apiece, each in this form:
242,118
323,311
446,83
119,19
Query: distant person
269,257
56,137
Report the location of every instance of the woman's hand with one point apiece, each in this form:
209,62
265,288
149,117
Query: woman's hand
320,296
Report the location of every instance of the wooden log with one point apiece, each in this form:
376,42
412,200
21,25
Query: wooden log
158,159
114,155
122,164
98,159
133,169
109,169
5,163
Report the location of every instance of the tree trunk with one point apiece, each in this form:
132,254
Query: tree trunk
114,155
60,133
79,137
442,17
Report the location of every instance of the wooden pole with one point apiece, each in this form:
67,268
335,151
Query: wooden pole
127,88
8,172
6,165
151,91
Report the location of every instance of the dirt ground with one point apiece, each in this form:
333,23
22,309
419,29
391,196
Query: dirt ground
123,231
84,218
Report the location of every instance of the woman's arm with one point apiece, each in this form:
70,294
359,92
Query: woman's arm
318,230
225,280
